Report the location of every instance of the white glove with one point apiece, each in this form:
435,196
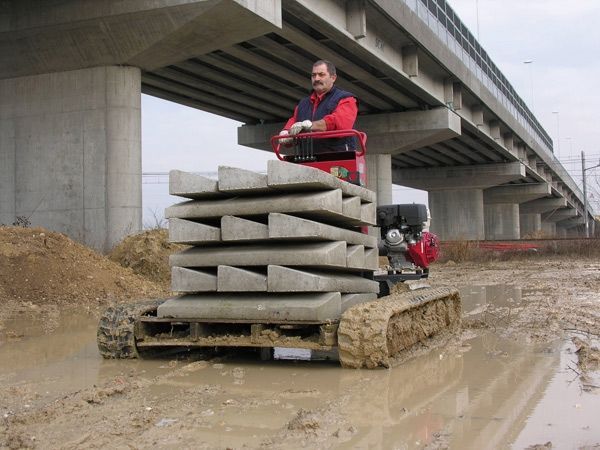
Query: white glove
285,141
305,125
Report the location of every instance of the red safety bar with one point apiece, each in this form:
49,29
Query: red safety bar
362,139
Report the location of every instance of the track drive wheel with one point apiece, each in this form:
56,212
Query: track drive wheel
371,334
115,336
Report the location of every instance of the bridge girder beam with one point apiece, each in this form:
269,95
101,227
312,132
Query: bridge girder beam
459,177
397,133
386,133
559,215
179,30
542,205
570,223
516,193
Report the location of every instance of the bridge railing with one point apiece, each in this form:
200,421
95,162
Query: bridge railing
445,23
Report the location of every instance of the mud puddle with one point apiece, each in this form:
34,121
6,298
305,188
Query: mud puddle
489,392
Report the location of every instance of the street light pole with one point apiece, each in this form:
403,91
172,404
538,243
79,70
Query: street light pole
570,146
477,12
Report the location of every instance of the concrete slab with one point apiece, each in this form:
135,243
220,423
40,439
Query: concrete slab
355,256
183,231
320,202
190,185
351,207
189,280
372,258
238,229
349,300
240,181
322,254
368,213
234,279
312,307
287,176
322,206
283,226
286,279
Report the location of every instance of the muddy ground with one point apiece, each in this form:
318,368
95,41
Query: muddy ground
522,373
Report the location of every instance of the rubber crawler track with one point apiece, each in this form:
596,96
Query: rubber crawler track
370,334
115,335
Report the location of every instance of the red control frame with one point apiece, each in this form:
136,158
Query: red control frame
349,165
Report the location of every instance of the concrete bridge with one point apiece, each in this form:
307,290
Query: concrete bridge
439,114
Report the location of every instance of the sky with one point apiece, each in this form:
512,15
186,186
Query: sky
560,85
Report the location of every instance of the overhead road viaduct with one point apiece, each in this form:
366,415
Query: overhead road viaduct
439,114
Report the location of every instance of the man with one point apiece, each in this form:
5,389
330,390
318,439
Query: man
327,108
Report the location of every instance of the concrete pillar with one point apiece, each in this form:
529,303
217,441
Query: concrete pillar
379,177
456,194
502,221
551,230
501,206
70,152
457,214
530,224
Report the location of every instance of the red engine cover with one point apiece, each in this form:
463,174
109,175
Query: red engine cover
426,251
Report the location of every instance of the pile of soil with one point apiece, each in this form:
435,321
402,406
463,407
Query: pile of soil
40,267
147,254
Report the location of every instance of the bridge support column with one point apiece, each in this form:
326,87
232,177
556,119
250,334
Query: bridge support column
379,177
530,225
456,195
457,214
501,206
70,152
551,230
574,227
502,221
541,207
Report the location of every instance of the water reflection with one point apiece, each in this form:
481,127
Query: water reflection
475,299
490,393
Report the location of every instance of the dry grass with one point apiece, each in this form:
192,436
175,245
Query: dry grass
461,251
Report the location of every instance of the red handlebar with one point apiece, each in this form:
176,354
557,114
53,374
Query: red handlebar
361,137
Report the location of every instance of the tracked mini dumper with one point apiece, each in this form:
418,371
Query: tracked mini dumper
285,260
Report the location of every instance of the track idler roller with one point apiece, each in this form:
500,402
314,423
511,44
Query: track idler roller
371,334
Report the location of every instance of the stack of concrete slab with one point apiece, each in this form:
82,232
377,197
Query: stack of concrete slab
282,246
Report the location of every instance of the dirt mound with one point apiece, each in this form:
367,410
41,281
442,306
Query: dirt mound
147,254
39,267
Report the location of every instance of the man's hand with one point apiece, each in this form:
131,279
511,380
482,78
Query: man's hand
296,128
285,141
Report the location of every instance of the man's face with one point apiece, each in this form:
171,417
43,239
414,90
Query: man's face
322,80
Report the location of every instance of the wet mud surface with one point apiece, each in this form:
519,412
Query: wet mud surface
522,373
